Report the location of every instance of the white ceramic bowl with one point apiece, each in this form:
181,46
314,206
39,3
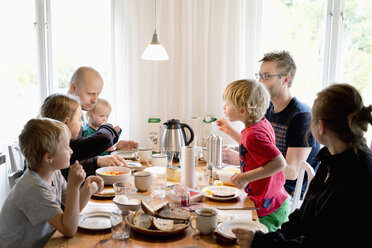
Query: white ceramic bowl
111,179
132,207
225,176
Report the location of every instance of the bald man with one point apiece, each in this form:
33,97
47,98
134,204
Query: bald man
87,84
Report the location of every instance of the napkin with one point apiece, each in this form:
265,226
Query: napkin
93,207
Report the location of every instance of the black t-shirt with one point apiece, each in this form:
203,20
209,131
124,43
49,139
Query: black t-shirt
292,129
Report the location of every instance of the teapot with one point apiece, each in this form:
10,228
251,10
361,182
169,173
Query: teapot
174,136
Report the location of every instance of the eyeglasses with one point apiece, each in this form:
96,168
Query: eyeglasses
267,76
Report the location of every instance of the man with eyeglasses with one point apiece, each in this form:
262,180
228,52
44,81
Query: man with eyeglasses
289,117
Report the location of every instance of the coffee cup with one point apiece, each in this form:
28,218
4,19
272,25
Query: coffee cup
144,154
142,180
206,220
159,159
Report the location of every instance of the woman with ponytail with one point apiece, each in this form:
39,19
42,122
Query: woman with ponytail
336,211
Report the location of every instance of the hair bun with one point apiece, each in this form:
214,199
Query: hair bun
365,114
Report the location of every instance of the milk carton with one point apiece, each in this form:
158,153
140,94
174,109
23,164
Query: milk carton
154,133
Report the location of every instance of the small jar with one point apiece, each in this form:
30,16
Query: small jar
180,196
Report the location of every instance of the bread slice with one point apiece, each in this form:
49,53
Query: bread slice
142,220
162,224
147,208
159,207
107,192
223,195
223,192
174,213
154,211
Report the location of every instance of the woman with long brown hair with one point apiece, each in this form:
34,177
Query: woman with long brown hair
336,210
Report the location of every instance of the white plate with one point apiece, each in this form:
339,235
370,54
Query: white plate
226,227
125,154
95,221
237,192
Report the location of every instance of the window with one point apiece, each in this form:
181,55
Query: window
357,47
356,66
297,26
19,94
81,34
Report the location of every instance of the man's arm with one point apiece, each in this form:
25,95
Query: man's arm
293,158
299,144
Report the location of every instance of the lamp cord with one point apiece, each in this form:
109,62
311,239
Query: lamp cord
155,16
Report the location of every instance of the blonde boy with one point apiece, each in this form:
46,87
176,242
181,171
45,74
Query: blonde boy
261,162
32,210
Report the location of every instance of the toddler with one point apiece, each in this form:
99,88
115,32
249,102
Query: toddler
97,116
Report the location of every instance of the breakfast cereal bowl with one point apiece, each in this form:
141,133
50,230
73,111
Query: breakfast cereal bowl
131,201
114,174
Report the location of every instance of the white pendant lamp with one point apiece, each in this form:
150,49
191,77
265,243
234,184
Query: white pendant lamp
155,51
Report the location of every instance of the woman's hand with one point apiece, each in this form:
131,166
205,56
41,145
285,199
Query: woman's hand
244,237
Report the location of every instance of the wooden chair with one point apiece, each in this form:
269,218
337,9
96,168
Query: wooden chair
296,201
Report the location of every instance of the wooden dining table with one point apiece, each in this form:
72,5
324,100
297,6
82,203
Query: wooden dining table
189,238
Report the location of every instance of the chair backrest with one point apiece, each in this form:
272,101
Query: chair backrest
16,158
296,202
13,177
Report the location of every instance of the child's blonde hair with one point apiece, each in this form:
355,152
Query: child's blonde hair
38,137
59,106
249,94
99,104
341,109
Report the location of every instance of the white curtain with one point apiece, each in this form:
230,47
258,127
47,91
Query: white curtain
204,41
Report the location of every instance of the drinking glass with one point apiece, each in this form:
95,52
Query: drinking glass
119,228
123,188
170,155
159,181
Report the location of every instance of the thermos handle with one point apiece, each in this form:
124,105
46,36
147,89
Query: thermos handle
183,126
